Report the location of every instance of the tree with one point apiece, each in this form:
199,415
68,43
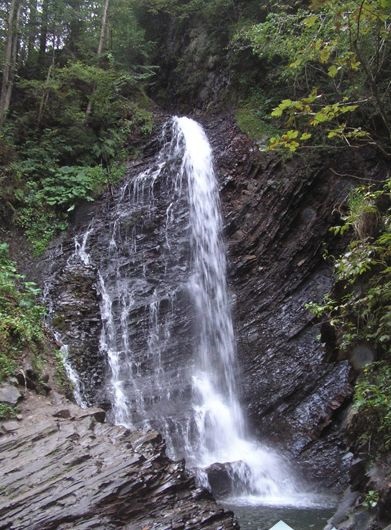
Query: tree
43,31
32,28
103,29
334,63
101,45
10,57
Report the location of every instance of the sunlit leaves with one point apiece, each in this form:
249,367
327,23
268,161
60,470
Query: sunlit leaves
332,70
330,112
291,140
340,48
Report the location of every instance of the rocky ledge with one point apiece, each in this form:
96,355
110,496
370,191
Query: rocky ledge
62,467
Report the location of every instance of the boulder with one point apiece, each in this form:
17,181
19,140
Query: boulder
9,426
9,394
219,479
229,478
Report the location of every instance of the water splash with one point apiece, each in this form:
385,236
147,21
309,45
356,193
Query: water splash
81,246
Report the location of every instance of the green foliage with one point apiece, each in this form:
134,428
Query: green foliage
371,423
189,8
371,499
21,328
8,365
253,117
130,46
20,316
362,310
67,132
362,214
74,110
7,412
72,156
48,186
40,225
359,310
333,58
67,184
301,40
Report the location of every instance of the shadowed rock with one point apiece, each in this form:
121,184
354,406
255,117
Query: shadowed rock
230,478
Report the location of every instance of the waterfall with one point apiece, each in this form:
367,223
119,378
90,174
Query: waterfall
167,331
217,413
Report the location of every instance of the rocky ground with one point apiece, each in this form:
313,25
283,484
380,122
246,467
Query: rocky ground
63,467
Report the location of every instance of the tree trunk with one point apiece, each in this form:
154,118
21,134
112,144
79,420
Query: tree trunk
103,29
10,59
102,42
45,92
32,28
44,31
76,26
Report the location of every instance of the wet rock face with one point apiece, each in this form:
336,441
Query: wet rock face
68,470
144,268
277,218
75,315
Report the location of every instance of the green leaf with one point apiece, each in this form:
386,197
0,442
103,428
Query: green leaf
332,71
310,21
292,134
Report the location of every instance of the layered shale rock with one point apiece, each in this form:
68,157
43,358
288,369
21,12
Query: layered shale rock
62,468
277,215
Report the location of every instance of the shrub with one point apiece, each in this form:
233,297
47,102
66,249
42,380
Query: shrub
20,316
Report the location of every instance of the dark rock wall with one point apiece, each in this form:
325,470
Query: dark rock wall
277,218
73,301
194,61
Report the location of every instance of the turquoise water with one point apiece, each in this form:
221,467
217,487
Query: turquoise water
264,517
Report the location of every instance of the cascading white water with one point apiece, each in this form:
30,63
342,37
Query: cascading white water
220,426
71,373
165,257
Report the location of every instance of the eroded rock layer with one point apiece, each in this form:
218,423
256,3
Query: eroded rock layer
277,217
63,468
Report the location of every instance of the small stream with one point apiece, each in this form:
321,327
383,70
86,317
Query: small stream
264,517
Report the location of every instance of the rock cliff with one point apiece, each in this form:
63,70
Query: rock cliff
277,218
